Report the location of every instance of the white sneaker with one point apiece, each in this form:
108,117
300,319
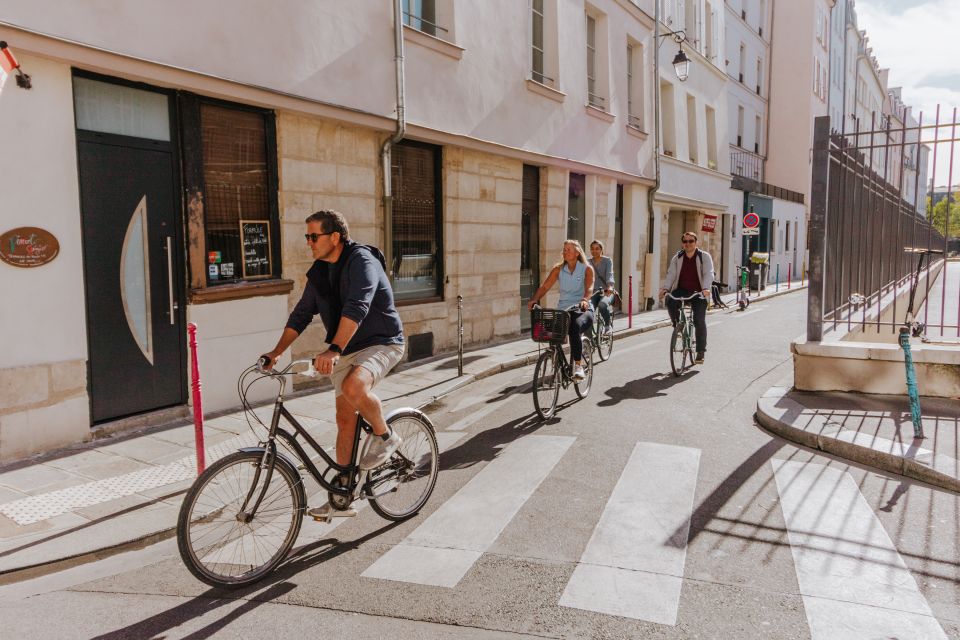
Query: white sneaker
578,373
380,450
326,512
608,330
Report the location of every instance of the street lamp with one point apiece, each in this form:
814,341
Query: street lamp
681,63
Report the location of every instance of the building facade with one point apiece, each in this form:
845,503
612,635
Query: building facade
176,175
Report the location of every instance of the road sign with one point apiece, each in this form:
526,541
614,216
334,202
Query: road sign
751,220
751,231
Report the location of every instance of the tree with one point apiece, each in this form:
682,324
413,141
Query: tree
938,216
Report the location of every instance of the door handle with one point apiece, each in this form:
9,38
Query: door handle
173,303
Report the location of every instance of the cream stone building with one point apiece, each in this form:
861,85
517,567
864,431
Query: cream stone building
175,159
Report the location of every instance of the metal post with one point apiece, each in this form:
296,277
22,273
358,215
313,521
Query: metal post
915,415
459,335
789,270
817,234
778,278
630,302
197,404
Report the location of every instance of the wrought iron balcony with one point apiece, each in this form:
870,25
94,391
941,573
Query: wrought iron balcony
745,164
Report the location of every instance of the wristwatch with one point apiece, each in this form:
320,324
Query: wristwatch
335,348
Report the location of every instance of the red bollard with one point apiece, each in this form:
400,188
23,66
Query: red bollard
630,303
789,269
197,404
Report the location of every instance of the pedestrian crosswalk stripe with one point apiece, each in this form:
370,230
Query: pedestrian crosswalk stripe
633,564
853,582
444,547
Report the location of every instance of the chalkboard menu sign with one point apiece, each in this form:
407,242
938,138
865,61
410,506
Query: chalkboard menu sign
255,235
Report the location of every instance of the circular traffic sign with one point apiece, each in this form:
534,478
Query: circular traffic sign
751,220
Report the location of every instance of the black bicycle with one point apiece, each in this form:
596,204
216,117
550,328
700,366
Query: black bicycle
601,336
243,514
553,369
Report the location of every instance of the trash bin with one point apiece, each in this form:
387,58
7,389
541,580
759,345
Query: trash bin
759,270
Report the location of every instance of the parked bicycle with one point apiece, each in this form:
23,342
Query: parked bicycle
554,370
683,340
243,514
601,336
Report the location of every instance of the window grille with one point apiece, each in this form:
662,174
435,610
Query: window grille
417,232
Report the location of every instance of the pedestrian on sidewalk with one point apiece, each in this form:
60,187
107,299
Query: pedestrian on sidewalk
603,283
576,286
347,287
690,271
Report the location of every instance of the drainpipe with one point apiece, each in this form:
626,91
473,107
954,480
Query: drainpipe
652,193
385,153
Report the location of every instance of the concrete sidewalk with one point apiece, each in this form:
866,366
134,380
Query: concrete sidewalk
873,430
124,491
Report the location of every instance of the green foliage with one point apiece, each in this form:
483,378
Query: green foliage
938,217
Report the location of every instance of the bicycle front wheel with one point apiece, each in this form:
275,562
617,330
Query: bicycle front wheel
546,385
400,488
604,343
583,387
223,546
677,350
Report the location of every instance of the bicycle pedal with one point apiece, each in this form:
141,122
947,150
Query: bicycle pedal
326,513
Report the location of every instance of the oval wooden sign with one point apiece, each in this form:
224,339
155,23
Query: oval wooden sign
28,247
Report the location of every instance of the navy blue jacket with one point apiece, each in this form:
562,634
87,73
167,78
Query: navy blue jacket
354,287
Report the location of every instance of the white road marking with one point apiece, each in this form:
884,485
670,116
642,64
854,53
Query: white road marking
443,548
853,581
714,323
633,564
483,412
740,314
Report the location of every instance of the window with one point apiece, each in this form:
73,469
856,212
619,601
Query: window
236,193
544,53
739,126
417,248
816,77
668,108
819,25
743,62
758,123
711,138
577,208
759,73
598,76
786,241
635,106
710,34
692,146
536,20
425,16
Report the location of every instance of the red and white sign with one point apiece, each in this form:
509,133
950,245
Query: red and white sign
7,63
709,223
751,220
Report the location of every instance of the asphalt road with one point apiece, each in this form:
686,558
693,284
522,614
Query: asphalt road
655,507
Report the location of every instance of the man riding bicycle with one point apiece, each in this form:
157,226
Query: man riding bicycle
576,286
690,272
348,287
603,283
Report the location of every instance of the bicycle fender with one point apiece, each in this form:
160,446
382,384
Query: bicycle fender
411,412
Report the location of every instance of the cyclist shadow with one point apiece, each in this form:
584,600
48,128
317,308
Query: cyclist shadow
652,386
486,445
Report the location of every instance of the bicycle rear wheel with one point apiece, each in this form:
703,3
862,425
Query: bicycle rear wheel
583,387
677,350
546,385
400,488
223,547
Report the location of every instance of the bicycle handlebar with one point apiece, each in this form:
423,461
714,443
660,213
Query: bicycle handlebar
263,361
687,299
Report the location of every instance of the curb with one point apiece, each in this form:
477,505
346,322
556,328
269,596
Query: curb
773,410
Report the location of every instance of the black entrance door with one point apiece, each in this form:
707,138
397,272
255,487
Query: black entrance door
132,263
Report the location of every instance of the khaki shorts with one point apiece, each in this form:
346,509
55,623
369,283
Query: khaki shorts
378,360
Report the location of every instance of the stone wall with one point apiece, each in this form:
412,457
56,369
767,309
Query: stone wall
43,407
324,165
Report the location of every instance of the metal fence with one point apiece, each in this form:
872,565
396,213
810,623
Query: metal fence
870,223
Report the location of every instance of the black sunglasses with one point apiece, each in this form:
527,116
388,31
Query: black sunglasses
313,237
688,241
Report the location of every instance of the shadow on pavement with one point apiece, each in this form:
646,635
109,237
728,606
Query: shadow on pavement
650,387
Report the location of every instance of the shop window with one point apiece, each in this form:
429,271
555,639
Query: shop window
230,176
417,248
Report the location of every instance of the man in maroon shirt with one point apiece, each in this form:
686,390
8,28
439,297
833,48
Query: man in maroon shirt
690,271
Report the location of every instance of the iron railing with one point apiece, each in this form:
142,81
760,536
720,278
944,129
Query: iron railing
745,164
864,234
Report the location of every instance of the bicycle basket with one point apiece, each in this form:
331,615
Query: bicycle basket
549,325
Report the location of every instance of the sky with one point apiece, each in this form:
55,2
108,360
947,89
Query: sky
917,41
